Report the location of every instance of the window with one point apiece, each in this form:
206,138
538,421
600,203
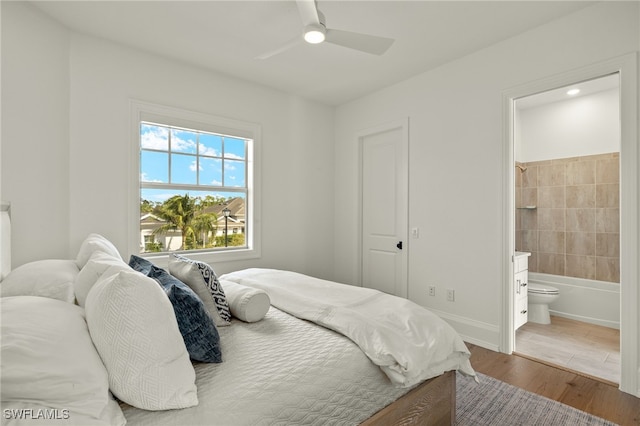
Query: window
196,186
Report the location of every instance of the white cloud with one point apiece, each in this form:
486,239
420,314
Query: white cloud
145,178
152,137
193,166
206,150
182,145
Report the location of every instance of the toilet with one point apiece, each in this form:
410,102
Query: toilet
538,304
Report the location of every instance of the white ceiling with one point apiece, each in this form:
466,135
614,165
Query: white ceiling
227,36
585,88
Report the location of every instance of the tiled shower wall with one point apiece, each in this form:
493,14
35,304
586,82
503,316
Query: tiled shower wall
568,216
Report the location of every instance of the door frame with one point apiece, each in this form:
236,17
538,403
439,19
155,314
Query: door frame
627,68
402,203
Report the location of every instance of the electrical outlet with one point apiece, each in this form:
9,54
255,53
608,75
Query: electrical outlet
432,290
451,295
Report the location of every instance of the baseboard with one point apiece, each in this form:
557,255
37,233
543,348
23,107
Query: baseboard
595,321
475,332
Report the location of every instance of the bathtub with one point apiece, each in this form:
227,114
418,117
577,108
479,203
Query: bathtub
595,302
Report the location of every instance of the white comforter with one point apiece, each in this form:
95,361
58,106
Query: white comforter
281,371
408,342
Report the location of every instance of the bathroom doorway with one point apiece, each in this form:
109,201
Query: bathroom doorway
626,68
567,216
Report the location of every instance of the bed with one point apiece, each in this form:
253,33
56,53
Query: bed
253,347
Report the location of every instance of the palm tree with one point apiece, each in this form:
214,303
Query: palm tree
179,213
204,224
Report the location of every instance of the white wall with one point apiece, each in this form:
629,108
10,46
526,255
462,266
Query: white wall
583,126
1,199
35,132
456,159
91,143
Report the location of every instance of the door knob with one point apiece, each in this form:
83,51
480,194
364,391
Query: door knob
399,245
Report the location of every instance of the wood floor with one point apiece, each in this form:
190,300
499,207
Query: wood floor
576,345
584,393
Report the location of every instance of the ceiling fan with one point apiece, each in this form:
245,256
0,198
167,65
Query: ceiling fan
315,32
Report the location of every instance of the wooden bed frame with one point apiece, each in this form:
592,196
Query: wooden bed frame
431,403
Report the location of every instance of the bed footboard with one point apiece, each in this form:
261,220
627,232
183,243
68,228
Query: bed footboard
431,403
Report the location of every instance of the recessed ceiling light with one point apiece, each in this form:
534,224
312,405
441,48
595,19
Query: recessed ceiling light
573,92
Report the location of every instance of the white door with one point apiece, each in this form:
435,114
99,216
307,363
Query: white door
384,191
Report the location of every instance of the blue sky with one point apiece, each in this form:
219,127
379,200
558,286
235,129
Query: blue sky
160,195
221,160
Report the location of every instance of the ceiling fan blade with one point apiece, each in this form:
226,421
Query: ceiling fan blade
291,43
308,12
363,42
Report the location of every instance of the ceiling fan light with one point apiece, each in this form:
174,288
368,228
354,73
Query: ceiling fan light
314,34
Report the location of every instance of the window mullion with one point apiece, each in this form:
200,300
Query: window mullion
223,160
190,187
198,158
169,154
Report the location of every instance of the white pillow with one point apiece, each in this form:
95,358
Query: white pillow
52,278
98,264
95,242
202,279
135,330
48,360
246,303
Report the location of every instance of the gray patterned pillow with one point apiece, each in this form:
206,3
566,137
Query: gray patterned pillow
204,282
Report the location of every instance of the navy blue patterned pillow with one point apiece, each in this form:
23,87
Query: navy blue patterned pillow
203,280
198,330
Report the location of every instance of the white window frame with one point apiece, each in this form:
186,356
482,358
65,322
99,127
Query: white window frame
144,111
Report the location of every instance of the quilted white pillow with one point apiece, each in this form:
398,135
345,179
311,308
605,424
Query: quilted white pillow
99,263
202,279
246,303
52,278
135,330
49,361
95,242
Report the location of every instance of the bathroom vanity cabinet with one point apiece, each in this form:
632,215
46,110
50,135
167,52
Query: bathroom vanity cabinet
520,280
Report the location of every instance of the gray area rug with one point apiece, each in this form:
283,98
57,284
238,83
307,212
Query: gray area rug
492,402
